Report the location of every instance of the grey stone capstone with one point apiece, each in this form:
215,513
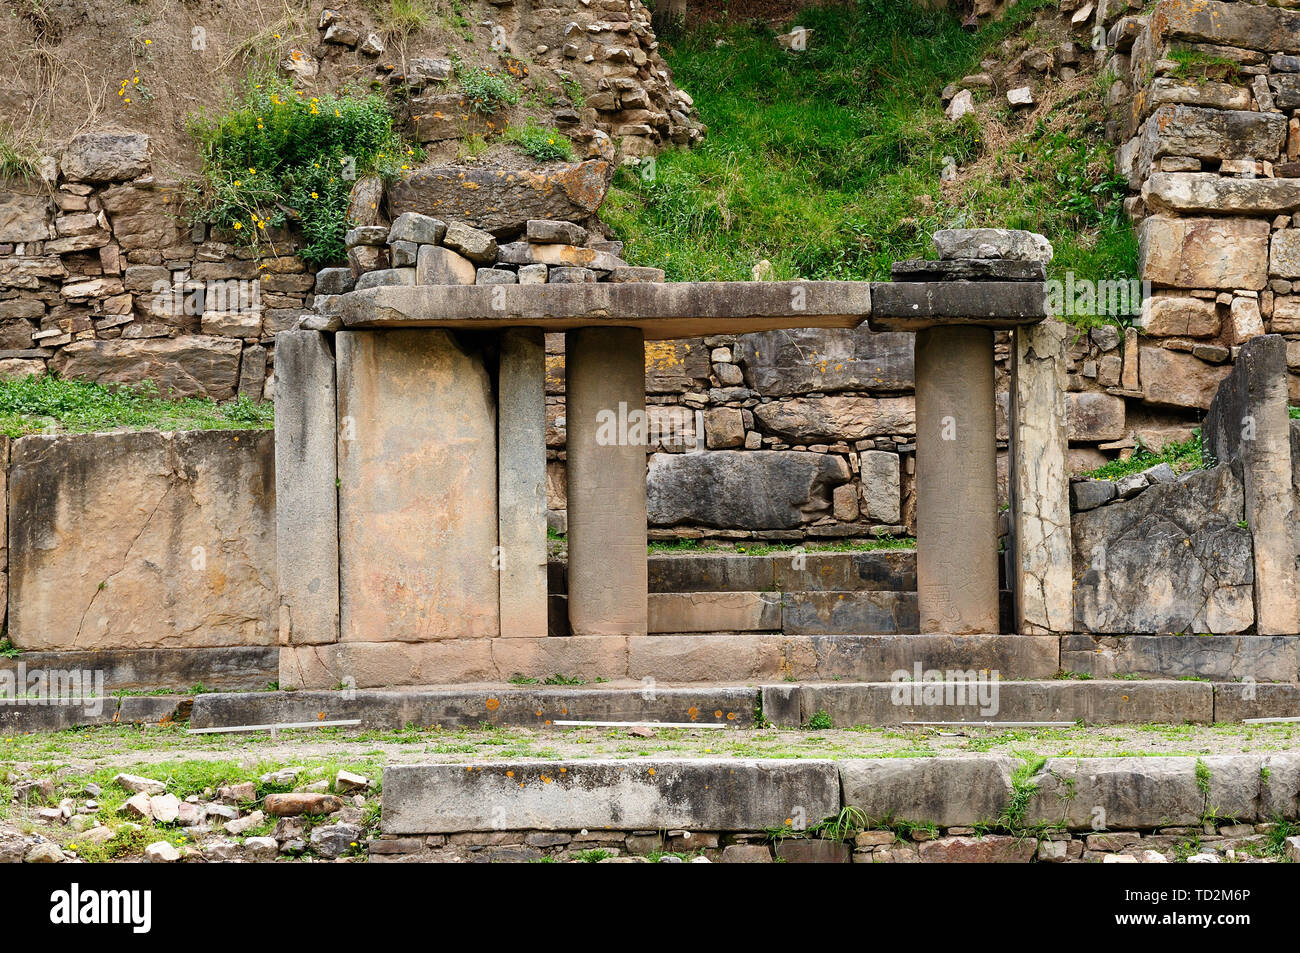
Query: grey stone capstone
992,243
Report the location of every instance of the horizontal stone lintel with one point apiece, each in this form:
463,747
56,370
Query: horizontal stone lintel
661,311
916,305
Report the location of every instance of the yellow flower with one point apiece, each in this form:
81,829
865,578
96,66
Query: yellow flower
236,183
148,42
128,99
238,226
252,172
315,196
338,114
276,35
405,166
122,91
135,79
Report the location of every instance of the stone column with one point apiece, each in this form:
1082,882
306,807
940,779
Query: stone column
604,402
521,482
956,481
306,493
1042,578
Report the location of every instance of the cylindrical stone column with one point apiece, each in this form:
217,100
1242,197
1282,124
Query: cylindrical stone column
956,481
605,423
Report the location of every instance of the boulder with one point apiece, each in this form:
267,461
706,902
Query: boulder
1178,379
1265,28
502,201
417,228
992,243
838,417
473,243
294,804
1171,559
1200,132
741,489
184,366
105,157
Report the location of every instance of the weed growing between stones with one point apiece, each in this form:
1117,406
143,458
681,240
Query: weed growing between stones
1183,457
278,157
542,143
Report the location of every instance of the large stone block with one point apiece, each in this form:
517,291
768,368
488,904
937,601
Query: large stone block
705,658
1093,416
881,487
849,613
146,217
306,488
1248,421
950,792
757,489
843,417
417,488
1172,316
783,363
142,540
1264,28
711,795
1195,193
1204,252
715,612
877,658
190,365
105,157
1204,133
502,200
385,664
1172,559
1261,658
710,572
232,668
861,571
24,218
1178,379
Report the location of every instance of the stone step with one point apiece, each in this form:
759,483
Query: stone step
983,700
1129,793
830,612
59,714
235,668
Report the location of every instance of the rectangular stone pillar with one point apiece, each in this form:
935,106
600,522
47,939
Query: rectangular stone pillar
1042,575
605,408
417,488
306,489
1248,421
521,482
956,481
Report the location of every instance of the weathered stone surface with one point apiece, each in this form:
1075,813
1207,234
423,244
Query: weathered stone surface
879,472
306,489
1172,559
728,488
712,572
435,265
1264,28
715,612
1179,317
473,243
953,243
521,489
296,803
988,849
1189,252
417,488
803,850
1284,254
1248,421
1039,429
917,305
674,310
385,277
142,540
144,217
893,570
24,218
502,200
1093,416
848,613
190,365
417,228
838,417
605,394
968,269
552,232
228,669
1261,658
1205,192
105,157
1178,379
684,795
782,363
1164,89
950,792
1204,133
381,664
468,708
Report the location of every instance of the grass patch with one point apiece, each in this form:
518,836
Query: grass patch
278,157
828,163
486,91
542,143
53,404
1182,457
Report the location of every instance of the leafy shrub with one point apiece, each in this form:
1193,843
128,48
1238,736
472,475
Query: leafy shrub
487,92
541,143
280,157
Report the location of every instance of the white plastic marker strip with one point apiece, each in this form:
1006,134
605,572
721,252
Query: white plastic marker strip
637,724
993,724
350,723
1268,721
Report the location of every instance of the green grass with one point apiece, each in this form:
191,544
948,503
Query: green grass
542,143
487,92
53,404
827,163
1182,457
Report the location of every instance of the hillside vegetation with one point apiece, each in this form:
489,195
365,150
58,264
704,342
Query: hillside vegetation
829,162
